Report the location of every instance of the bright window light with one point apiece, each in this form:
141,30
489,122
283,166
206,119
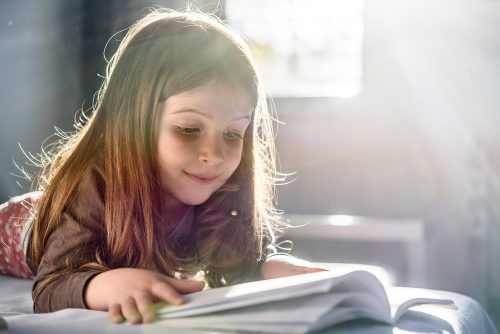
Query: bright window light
304,48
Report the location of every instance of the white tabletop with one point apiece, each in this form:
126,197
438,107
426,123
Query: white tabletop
16,308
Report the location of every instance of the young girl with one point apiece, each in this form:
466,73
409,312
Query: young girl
171,175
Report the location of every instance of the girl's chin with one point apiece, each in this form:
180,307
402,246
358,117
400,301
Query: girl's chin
194,200
178,201
187,198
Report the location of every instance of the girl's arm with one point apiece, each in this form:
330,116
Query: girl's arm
130,294
59,283
124,292
280,265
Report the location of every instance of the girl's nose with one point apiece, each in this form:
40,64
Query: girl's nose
211,151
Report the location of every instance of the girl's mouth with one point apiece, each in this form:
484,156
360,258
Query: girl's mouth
201,179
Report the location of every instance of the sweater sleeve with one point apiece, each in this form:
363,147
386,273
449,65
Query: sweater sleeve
73,243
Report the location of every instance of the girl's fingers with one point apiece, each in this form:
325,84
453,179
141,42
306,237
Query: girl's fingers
186,285
167,293
172,289
145,306
115,314
141,308
315,270
130,311
307,270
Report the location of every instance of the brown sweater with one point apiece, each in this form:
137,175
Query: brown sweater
72,244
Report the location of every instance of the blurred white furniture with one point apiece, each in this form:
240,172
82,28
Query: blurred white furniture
411,233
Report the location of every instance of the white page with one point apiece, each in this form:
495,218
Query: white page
398,310
363,282
306,309
369,304
245,294
311,300
302,314
344,313
286,328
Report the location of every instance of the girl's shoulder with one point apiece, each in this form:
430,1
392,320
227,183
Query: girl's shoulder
21,209
20,206
29,198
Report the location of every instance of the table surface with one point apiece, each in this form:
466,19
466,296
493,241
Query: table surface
16,308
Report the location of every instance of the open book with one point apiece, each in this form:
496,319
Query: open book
294,304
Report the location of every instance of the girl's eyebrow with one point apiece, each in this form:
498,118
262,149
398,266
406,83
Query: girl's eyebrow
196,111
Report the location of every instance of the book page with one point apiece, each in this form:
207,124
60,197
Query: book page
354,306
298,313
367,293
400,304
302,302
258,292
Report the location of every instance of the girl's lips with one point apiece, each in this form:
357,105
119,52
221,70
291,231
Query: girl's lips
200,179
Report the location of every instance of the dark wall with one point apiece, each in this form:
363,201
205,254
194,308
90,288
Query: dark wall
39,66
51,56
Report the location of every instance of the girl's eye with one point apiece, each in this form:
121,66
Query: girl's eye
187,131
232,135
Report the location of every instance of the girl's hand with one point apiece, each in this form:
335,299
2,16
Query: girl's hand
286,265
130,294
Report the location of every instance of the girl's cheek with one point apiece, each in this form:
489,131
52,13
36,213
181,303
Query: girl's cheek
235,157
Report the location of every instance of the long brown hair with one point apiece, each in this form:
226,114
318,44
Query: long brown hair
164,54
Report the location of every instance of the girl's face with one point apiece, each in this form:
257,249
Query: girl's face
200,140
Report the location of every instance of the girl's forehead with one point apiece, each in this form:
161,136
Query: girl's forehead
213,96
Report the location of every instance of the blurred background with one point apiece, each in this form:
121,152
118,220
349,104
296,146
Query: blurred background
389,110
